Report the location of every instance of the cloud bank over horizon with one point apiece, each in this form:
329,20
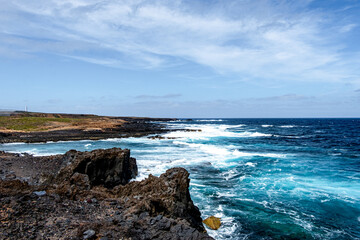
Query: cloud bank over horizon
273,44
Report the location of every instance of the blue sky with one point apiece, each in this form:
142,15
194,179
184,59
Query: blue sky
206,58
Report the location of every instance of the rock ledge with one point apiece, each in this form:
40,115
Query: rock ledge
87,195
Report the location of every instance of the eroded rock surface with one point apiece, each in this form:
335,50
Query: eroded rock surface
167,195
79,197
108,167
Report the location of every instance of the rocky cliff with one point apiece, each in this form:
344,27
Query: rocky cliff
86,195
109,167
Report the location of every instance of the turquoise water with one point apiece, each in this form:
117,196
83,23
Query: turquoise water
265,178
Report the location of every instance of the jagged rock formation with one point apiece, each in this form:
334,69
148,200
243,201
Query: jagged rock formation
167,195
79,200
109,167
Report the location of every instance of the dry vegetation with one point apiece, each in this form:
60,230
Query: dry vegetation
33,124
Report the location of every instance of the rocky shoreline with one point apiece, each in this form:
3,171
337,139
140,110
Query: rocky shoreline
129,127
87,195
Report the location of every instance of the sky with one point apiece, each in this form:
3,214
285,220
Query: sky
184,59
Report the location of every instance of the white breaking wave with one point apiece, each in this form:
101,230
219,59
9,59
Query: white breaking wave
110,140
247,154
207,148
205,131
35,152
226,152
228,227
289,136
229,174
287,126
209,120
224,127
250,164
179,152
15,143
266,125
197,185
173,121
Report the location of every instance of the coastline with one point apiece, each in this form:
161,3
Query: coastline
57,197
231,162
134,210
84,127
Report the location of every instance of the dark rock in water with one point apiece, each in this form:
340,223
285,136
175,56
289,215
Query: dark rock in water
108,167
167,195
156,137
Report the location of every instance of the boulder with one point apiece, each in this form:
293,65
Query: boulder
89,234
213,222
107,167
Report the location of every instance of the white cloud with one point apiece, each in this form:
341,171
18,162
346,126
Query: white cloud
152,97
267,40
348,28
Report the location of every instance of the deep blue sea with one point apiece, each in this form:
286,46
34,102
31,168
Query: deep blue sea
265,178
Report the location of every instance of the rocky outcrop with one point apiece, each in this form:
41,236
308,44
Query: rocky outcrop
109,167
25,167
88,196
167,195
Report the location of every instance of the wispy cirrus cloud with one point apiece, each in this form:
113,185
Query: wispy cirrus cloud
268,39
348,27
285,98
153,97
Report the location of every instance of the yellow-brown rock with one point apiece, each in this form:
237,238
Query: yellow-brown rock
213,222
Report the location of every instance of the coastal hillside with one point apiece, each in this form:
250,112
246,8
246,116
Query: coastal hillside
21,126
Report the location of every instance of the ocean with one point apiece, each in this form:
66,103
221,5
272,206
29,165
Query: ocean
265,178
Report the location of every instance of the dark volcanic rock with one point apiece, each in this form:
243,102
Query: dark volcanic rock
108,167
72,203
167,195
26,167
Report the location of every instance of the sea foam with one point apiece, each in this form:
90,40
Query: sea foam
212,131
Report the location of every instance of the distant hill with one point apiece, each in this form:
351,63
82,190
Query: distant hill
21,126
75,116
50,115
6,112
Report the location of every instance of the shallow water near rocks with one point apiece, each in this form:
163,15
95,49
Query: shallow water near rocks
265,178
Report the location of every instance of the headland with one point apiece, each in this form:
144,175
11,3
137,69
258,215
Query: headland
43,127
